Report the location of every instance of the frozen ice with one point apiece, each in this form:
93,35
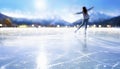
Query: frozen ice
59,48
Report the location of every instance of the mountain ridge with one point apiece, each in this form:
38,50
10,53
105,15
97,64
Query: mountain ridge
114,21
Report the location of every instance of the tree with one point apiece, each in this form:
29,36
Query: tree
8,22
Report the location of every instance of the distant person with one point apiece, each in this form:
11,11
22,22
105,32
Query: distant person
85,17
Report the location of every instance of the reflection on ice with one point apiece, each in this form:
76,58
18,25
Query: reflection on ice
59,48
42,61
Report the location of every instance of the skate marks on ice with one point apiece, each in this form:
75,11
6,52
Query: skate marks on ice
60,49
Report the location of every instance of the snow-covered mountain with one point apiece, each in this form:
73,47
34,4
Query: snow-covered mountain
43,22
98,16
2,16
94,17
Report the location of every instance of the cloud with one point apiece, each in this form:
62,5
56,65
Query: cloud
70,17
16,13
64,14
117,13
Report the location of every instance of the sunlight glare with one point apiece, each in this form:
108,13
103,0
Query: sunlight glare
40,4
42,62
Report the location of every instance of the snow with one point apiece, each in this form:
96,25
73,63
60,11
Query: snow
59,48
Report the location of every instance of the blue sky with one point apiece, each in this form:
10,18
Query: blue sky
57,7
107,5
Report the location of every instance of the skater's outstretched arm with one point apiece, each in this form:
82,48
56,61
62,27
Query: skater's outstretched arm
79,13
90,8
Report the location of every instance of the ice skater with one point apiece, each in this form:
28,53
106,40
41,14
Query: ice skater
85,17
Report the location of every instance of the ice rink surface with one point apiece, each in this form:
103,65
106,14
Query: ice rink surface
59,48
